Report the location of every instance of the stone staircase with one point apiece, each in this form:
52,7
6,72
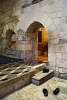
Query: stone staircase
41,77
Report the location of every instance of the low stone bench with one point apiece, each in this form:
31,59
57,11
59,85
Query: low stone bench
41,77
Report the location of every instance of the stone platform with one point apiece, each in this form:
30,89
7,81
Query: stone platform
13,77
41,77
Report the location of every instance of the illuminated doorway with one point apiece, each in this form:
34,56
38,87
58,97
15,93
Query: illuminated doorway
39,37
42,44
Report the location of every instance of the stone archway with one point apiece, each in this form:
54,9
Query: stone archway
37,35
10,39
26,19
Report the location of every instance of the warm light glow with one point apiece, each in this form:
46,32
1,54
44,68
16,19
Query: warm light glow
40,29
13,44
43,46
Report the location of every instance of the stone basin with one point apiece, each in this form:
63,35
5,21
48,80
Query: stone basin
13,78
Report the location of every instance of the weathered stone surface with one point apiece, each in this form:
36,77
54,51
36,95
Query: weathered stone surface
46,2
52,14
41,77
54,41
33,92
62,41
52,58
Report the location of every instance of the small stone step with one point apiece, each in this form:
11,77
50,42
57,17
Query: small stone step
41,77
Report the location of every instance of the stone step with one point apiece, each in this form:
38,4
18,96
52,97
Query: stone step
41,77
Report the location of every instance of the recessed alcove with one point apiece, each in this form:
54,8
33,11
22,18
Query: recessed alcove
10,46
10,39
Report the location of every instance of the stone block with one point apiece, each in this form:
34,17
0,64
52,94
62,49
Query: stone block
66,19
60,6
35,6
66,48
53,35
54,8
41,77
63,4
53,41
39,67
21,17
39,16
51,48
59,56
55,0
60,63
58,48
27,9
51,57
48,22
64,56
44,9
62,47
51,28
57,20
44,19
53,15
60,14
65,27
62,35
16,13
32,17
45,3
52,65
62,28
65,12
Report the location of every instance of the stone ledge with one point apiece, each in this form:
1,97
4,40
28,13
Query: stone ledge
41,77
15,83
39,67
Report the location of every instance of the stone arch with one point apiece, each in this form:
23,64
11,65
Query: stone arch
26,19
10,38
37,35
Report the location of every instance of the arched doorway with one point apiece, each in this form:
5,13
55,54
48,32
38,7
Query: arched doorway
38,15
37,34
10,39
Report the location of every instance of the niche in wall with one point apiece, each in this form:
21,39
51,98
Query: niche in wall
10,39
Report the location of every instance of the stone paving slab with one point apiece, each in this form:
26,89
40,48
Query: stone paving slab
33,92
41,77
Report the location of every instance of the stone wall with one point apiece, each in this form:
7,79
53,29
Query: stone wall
52,14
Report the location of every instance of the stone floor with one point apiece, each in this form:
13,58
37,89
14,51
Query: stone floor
33,92
43,58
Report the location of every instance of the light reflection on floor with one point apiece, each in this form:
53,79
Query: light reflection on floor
43,58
